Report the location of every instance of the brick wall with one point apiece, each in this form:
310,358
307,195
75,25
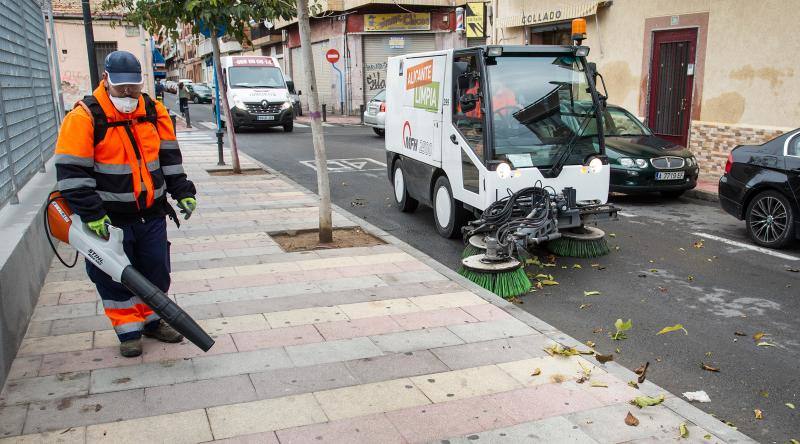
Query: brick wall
711,142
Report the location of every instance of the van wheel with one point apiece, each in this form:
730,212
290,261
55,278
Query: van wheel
402,199
448,215
770,220
379,132
288,127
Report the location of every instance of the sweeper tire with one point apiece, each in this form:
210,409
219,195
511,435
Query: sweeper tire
448,215
402,199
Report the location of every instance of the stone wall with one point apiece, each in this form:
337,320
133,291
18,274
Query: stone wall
711,142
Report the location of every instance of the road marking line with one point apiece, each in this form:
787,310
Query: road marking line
327,124
301,125
208,125
788,257
625,214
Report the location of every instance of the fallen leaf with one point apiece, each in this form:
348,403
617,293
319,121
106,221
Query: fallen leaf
699,396
699,244
652,261
618,350
708,354
603,358
564,267
794,441
595,265
590,344
599,384
586,370
707,436
623,326
591,293
548,265
631,420
548,282
533,261
766,344
793,270
542,276
633,384
757,337
582,379
663,289
682,249
690,278
585,306
675,327
653,270
642,372
598,330
764,394
536,372
612,235
738,333
790,405
709,368
578,266
683,430
556,349
647,401
758,413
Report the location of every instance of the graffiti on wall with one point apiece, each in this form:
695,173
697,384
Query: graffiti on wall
74,85
375,76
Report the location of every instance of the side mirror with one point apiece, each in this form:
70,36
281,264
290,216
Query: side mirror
592,66
468,102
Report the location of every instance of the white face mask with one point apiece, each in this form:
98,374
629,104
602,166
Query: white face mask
124,105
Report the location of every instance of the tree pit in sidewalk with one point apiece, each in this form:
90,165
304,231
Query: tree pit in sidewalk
307,240
229,172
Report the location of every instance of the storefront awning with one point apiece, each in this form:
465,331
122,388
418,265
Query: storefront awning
535,13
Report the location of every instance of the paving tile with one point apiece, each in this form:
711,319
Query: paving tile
12,419
489,352
231,364
408,277
24,367
657,423
255,438
55,344
105,338
554,369
184,427
278,337
332,351
393,366
486,312
466,383
85,410
363,430
486,331
297,380
49,313
39,329
351,283
378,308
447,300
303,316
77,297
433,422
359,327
70,436
45,388
85,360
433,318
143,375
247,294
199,394
264,416
234,324
416,340
555,429
79,325
360,400
159,351
544,401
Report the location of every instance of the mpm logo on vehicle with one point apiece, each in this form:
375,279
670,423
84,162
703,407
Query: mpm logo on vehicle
413,144
95,257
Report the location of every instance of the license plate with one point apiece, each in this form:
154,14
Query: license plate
672,175
265,117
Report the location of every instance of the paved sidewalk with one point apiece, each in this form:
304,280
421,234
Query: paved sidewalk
372,345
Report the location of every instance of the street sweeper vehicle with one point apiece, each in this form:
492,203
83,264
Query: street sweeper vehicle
510,136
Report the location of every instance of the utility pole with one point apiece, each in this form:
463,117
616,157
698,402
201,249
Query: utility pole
87,28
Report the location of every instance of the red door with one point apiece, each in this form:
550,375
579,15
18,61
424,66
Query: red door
671,80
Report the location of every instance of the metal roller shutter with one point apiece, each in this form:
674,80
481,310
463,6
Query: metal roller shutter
299,77
378,49
322,70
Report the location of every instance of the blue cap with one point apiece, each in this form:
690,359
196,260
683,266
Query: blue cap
123,68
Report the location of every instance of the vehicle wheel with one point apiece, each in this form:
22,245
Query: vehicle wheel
402,199
770,221
379,131
448,216
288,127
673,194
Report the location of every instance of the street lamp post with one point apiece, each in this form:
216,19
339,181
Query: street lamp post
87,28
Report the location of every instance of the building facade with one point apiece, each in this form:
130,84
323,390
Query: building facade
708,74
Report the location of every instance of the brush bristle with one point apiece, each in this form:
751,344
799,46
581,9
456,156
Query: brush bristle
506,284
569,247
471,250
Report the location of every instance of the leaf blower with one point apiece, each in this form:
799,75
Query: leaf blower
109,256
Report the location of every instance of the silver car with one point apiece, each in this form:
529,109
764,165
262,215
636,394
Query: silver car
375,114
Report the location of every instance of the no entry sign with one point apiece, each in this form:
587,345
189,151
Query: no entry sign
332,55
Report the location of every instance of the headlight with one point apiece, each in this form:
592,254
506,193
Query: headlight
239,103
503,170
595,165
691,161
286,105
626,162
641,163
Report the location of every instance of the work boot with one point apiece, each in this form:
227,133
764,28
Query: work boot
131,348
163,332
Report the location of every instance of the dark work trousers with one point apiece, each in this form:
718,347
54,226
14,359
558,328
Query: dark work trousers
184,105
146,245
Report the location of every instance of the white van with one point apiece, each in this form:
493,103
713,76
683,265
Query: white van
257,92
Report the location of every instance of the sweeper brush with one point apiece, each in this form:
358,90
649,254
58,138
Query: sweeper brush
505,278
580,242
475,245
109,256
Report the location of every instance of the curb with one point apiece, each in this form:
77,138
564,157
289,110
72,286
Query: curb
707,196
674,403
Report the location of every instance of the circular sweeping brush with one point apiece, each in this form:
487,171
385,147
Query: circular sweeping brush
581,242
476,244
505,278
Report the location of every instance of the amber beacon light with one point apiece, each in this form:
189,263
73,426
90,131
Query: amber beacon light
578,30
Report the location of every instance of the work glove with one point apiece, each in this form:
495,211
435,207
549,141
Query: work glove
99,226
187,206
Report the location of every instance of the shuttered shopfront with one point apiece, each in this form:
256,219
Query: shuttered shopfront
322,69
377,50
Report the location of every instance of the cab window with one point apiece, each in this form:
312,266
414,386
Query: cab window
467,108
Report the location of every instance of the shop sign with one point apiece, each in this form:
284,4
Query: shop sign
397,42
476,20
418,21
528,17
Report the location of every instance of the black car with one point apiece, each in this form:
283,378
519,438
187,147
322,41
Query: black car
199,93
761,185
643,162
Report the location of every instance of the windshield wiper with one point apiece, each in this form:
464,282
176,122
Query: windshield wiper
555,170
242,85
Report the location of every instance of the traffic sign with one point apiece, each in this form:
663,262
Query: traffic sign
332,55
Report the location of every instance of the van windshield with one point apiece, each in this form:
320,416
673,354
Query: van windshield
255,77
540,104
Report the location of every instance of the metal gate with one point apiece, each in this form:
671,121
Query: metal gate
28,123
322,71
378,49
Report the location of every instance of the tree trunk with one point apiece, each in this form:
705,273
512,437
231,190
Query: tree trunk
323,185
237,169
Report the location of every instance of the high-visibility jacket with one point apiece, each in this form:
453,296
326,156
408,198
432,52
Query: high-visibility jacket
124,176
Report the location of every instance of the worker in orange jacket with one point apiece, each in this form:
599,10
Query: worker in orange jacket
116,158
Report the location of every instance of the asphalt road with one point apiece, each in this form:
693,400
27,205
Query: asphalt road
659,274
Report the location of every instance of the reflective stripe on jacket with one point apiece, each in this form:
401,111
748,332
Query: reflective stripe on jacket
117,177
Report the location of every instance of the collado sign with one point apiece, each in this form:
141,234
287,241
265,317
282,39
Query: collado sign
419,78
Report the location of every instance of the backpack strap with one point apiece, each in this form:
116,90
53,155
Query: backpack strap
151,115
92,106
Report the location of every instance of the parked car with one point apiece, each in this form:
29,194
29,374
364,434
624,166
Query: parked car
199,93
375,114
295,96
643,162
761,185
